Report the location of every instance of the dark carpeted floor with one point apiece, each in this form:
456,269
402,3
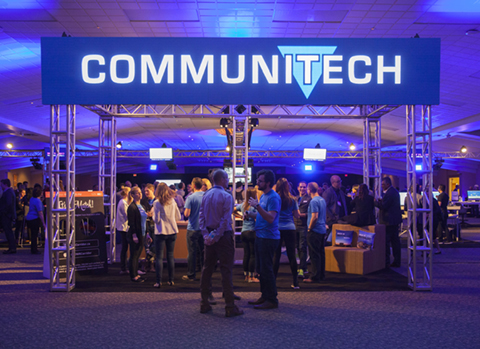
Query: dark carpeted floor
385,280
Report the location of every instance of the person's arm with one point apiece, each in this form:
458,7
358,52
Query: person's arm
269,216
178,216
226,214
313,220
296,214
186,213
201,218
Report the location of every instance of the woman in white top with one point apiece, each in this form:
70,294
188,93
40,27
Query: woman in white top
165,215
122,227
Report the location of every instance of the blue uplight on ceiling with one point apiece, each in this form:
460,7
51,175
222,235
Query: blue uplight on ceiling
308,168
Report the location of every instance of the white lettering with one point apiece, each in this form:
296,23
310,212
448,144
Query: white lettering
272,77
288,69
187,63
131,69
351,70
307,66
147,64
396,69
327,69
86,77
241,70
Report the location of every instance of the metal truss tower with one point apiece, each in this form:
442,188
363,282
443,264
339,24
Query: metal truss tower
240,151
419,153
372,152
107,175
61,221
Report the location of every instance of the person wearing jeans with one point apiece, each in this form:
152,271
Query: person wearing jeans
194,235
316,233
165,216
268,237
35,219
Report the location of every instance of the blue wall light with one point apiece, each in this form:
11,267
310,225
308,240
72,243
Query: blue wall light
153,167
308,168
418,167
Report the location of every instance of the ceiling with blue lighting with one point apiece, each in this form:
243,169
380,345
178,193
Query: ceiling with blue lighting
24,121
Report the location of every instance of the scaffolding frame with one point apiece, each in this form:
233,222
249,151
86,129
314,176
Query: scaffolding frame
61,230
420,250
372,153
371,156
107,175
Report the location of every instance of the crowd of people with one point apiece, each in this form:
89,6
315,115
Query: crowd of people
273,215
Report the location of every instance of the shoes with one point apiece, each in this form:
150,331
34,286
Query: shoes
139,280
187,278
124,272
235,297
170,283
141,272
247,278
9,251
233,312
257,302
295,287
438,252
205,309
300,273
266,305
157,285
253,279
212,300
395,265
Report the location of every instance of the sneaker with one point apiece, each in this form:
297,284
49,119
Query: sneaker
187,278
157,285
141,272
295,287
300,273
253,279
170,283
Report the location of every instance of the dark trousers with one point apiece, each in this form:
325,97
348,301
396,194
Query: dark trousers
135,252
123,252
316,246
34,226
19,227
223,251
195,247
393,240
264,251
7,229
248,240
160,242
287,236
301,241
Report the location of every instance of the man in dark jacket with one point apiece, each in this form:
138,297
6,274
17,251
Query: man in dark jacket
443,202
391,215
336,202
8,214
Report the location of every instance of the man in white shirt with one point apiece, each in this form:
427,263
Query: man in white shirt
216,226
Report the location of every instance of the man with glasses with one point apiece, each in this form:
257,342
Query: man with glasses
303,200
336,202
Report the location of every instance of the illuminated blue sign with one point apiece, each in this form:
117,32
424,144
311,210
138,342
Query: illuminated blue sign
240,71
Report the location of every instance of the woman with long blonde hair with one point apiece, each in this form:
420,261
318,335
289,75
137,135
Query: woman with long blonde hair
286,225
121,225
248,236
165,216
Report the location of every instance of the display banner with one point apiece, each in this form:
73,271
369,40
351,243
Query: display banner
240,71
90,239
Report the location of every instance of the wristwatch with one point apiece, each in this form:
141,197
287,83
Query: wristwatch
256,206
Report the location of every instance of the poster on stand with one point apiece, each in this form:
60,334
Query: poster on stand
90,239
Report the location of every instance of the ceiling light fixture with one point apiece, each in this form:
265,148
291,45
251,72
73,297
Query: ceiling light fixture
254,122
463,149
352,146
119,145
224,122
9,145
227,148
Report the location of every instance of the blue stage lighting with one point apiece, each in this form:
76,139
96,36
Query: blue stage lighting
153,167
308,168
418,167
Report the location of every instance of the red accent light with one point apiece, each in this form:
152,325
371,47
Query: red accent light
346,175
134,175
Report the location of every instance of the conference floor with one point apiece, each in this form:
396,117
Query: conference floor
448,317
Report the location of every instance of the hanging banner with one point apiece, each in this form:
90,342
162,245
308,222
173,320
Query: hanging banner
90,239
240,71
